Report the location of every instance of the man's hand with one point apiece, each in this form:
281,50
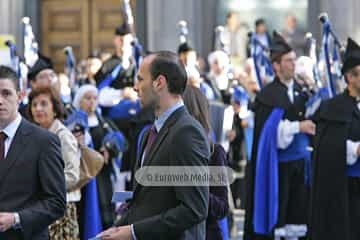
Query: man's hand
129,93
358,151
231,135
308,126
117,233
244,123
7,220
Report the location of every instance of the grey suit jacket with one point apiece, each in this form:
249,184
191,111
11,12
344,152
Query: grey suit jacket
32,182
172,212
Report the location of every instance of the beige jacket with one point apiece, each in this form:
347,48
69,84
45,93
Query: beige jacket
71,155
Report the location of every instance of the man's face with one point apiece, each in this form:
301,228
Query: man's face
44,79
232,21
261,28
291,22
9,101
287,66
354,79
144,85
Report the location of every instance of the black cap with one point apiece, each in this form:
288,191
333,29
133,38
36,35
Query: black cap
123,29
184,47
278,47
42,63
352,56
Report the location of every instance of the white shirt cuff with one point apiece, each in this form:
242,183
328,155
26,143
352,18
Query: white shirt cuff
109,97
351,152
17,224
132,231
286,132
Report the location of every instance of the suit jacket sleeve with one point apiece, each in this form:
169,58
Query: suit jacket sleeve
193,201
52,196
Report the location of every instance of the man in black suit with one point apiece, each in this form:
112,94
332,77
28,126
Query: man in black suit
32,183
167,212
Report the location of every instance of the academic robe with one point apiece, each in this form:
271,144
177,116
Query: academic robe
125,78
335,198
272,96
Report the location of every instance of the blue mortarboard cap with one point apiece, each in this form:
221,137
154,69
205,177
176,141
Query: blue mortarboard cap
240,94
115,141
79,118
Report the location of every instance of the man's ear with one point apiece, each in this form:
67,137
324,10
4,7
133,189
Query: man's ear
159,82
276,66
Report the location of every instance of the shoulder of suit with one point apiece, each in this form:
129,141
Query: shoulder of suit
37,133
189,124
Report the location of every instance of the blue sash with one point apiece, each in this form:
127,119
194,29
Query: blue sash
266,192
297,149
249,135
266,189
207,91
354,170
125,109
110,77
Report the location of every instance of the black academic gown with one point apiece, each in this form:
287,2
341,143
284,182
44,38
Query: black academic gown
103,181
236,155
125,78
271,96
335,198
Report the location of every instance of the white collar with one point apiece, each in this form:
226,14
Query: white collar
11,128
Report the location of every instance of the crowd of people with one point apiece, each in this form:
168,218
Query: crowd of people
65,153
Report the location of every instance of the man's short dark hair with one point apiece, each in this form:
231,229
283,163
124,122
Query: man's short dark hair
230,14
259,21
8,73
168,64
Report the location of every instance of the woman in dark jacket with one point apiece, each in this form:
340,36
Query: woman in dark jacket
198,106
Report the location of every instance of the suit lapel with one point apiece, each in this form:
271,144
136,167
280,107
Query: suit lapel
357,111
162,134
139,156
159,139
16,147
142,148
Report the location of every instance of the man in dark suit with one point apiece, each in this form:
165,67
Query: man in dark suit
32,182
176,139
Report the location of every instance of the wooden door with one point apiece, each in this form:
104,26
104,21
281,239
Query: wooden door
64,23
105,17
86,25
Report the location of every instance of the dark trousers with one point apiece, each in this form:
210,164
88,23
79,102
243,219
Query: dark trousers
293,194
354,207
293,197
